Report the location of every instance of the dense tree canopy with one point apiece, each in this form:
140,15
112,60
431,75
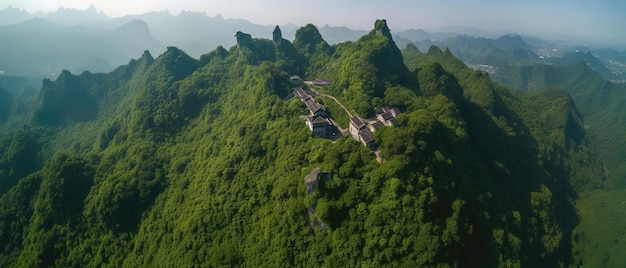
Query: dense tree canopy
181,162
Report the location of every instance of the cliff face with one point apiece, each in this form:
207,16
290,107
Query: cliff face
381,28
277,36
243,39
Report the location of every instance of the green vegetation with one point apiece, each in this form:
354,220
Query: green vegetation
181,162
336,112
600,232
314,49
600,235
599,101
6,102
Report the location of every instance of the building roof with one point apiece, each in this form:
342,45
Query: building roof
312,105
358,123
386,116
366,136
386,109
382,110
376,125
302,94
320,120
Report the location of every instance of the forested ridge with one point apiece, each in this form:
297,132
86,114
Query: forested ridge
183,162
600,234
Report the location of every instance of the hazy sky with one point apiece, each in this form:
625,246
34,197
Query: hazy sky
597,19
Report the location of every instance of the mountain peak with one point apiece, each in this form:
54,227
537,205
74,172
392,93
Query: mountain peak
309,40
72,16
146,56
243,38
309,32
135,24
135,29
512,41
277,36
381,28
434,50
176,63
146,53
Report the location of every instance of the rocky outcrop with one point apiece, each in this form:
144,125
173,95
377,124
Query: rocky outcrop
277,36
381,28
243,39
311,181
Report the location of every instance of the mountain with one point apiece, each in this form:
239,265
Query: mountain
463,30
442,33
484,53
513,50
570,58
172,30
63,16
12,15
17,84
17,96
599,100
418,35
176,30
601,104
39,47
216,31
177,161
334,35
615,60
506,50
472,45
71,17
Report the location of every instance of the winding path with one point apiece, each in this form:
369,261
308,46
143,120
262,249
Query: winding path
344,108
344,132
379,157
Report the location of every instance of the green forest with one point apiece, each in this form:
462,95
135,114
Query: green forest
181,162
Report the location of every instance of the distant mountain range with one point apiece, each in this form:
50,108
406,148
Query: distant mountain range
514,50
80,40
38,44
39,47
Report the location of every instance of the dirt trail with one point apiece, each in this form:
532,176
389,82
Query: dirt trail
337,101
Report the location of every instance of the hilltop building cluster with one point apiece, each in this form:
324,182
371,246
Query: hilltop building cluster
386,115
322,125
318,121
362,130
